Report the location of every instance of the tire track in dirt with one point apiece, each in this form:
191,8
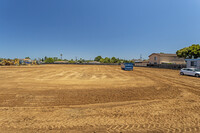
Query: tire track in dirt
177,113
170,80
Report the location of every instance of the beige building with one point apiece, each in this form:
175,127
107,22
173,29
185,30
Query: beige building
159,58
141,63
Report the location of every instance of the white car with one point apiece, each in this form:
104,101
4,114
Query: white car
190,71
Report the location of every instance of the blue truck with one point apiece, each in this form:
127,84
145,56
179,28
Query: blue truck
127,66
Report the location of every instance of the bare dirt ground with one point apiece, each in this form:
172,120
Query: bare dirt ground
88,98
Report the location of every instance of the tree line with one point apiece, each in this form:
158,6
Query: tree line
192,51
111,60
53,59
81,60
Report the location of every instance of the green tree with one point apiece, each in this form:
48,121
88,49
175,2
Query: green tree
27,58
55,58
98,58
189,52
118,60
81,60
113,60
102,60
107,60
72,61
49,60
45,57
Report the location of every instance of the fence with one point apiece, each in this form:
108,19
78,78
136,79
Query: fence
86,63
167,66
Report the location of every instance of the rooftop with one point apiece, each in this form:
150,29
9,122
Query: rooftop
163,54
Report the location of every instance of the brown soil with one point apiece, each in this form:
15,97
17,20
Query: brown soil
88,98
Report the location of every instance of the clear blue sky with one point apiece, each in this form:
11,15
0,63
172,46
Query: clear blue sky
87,28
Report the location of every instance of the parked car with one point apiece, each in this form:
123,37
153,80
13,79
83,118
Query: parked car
190,71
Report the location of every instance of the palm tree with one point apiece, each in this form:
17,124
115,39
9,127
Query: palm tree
61,56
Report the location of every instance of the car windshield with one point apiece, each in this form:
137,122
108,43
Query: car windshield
197,70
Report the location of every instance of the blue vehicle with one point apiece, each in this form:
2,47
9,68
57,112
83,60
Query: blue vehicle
127,66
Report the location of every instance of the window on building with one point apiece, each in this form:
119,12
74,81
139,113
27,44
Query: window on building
193,63
155,58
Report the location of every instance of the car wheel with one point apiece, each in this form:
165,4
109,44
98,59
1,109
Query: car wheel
181,73
196,75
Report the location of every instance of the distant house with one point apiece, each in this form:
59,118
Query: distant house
161,58
193,63
60,62
141,63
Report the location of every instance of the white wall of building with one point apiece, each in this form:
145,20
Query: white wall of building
196,62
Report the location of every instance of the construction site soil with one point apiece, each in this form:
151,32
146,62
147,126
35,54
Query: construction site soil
97,98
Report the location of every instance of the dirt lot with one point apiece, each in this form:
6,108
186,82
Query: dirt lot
84,98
